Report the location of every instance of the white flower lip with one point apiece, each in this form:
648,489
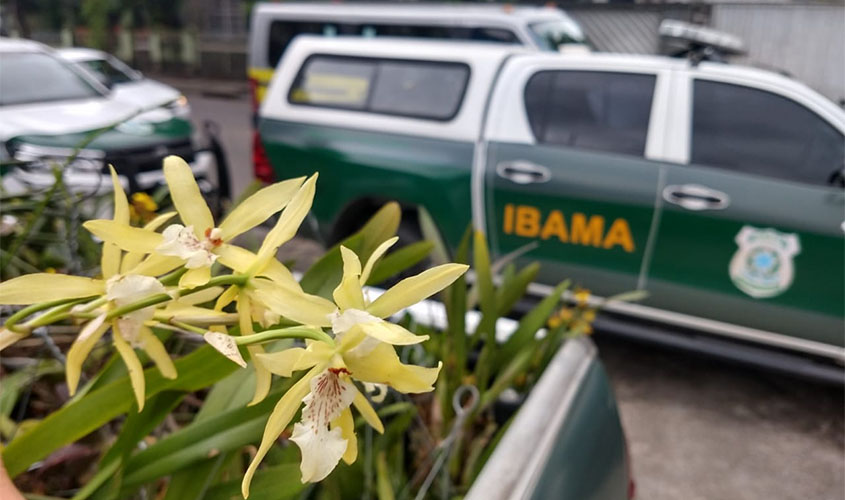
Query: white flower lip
180,241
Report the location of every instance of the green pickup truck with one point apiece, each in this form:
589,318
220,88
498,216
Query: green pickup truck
718,189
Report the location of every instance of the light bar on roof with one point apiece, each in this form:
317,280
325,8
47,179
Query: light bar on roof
702,36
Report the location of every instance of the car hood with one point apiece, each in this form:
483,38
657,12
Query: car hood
145,93
62,117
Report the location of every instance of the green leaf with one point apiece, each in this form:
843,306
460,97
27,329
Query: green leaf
324,275
14,383
192,483
136,426
383,487
440,253
279,482
514,288
531,323
400,260
197,370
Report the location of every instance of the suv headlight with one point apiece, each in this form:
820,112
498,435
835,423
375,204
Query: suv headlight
180,107
45,157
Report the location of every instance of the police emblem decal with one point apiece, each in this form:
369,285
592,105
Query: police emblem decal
762,265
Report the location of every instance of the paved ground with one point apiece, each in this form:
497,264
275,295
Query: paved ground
697,429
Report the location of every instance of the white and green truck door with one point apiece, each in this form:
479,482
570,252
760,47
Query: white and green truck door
566,170
751,228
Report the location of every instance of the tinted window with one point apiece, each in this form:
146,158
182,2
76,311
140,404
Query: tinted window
421,89
282,32
107,72
55,79
590,110
757,132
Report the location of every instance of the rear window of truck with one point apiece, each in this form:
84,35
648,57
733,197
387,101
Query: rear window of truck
431,90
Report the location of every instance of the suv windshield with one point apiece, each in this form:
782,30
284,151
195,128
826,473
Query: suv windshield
56,81
551,35
108,71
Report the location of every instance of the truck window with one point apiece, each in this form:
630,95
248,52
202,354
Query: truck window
757,132
60,82
477,33
282,32
595,110
418,89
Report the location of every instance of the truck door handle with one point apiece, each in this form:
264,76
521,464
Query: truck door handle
696,197
523,172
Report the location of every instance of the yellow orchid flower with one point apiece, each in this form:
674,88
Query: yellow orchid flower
113,290
198,243
362,350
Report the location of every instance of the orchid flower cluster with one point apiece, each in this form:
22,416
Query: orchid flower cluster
150,279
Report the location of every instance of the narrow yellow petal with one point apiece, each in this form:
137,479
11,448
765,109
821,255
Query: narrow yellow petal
9,337
155,349
390,333
411,290
348,294
373,260
156,265
347,431
297,306
263,377
382,366
195,277
226,298
42,287
200,297
110,260
133,365
239,260
186,195
121,205
283,412
132,259
88,337
258,208
288,223
287,361
159,221
351,262
366,410
131,239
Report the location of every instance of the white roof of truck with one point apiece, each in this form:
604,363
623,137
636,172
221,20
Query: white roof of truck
404,11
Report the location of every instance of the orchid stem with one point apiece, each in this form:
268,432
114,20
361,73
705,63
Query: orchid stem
296,332
229,279
13,320
187,327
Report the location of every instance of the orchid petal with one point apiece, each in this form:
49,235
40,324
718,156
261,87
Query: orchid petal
287,361
133,365
382,366
322,448
81,347
155,349
43,287
376,255
133,258
131,239
121,204
9,337
225,345
301,307
391,334
200,297
240,260
263,377
258,208
110,260
195,277
366,410
186,195
288,223
226,298
411,290
348,294
347,431
156,265
282,413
